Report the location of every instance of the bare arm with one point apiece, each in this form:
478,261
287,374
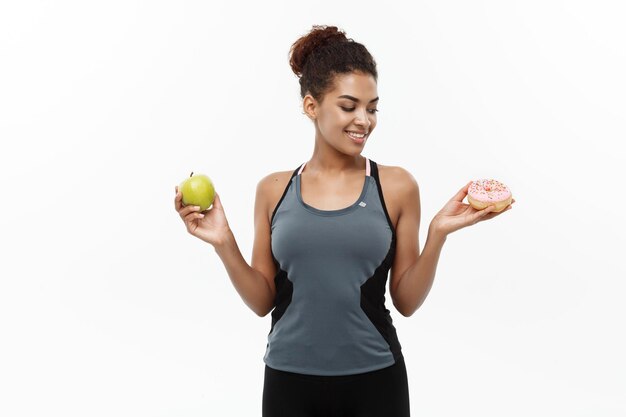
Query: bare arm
255,283
412,274
415,283
251,284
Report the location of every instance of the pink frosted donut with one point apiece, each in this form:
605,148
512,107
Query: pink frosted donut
485,192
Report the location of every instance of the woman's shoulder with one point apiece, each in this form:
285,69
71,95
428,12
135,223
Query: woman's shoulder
395,178
399,188
270,189
274,181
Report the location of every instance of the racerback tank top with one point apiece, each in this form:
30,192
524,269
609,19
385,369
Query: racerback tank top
332,265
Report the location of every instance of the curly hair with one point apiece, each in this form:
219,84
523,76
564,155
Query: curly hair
323,53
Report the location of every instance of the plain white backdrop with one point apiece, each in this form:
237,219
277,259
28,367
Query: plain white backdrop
108,307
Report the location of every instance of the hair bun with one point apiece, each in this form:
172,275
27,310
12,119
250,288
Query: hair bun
318,36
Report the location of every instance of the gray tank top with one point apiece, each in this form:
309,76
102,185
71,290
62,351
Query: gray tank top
332,265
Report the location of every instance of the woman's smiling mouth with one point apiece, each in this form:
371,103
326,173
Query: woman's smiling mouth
357,137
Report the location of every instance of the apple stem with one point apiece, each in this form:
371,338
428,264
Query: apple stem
191,173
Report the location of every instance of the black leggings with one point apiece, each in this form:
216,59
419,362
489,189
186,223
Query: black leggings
381,393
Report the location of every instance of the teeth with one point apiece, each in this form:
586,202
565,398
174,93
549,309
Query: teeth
356,135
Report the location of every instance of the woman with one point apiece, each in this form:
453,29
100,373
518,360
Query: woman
325,241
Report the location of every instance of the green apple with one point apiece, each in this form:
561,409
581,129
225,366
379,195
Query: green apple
197,190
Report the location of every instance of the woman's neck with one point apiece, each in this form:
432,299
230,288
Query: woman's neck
327,161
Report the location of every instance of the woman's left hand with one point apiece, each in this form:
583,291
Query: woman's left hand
456,215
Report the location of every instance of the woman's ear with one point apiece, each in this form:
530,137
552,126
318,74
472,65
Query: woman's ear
309,106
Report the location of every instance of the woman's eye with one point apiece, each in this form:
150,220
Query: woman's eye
372,111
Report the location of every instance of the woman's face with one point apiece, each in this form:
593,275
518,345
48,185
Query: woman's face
347,115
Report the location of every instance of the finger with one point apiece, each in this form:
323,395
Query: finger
178,200
481,214
495,214
184,212
462,193
217,203
193,216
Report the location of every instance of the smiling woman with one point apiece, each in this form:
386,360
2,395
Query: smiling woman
326,239
333,346
328,65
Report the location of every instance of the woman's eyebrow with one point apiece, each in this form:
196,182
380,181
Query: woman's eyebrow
356,99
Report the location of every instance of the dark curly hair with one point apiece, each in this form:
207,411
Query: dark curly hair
323,53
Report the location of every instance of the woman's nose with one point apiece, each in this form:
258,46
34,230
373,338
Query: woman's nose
362,119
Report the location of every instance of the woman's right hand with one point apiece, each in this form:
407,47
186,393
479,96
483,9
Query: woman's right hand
210,225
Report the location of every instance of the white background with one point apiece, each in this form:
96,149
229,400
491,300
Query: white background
108,307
